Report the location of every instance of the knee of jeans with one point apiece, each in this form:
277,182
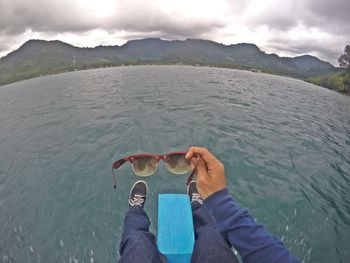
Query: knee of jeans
137,240
140,237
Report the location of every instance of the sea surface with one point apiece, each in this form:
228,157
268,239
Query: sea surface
285,145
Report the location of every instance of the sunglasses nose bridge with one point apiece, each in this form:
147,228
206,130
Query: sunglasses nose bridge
160,157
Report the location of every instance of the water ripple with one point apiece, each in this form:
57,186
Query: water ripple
285,145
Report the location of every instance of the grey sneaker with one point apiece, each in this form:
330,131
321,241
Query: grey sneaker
138,194
192,191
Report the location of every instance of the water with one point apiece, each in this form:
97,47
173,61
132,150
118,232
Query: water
285,145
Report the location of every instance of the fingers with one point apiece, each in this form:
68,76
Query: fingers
202,170
207,156
203,152
209,170
197,162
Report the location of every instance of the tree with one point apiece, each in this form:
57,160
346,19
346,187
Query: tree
344,60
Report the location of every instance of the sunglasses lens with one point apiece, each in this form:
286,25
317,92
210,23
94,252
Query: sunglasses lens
177,164
144,165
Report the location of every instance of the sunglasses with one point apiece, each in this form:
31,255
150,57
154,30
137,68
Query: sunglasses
147,164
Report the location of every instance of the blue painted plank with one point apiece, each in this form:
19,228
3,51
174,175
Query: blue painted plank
175,227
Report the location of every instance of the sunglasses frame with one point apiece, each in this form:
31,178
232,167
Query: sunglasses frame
158,157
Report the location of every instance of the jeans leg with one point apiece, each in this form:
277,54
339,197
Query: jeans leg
138,244
209,246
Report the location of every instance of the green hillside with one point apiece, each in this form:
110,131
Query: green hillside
38,57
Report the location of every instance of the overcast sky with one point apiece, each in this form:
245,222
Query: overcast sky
284,27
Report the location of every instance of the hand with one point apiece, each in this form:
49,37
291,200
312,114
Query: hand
210,171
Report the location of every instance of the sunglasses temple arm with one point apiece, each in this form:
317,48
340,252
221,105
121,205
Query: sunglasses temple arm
114,179
189,180
116,165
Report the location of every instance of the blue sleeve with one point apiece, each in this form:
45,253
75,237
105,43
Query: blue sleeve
250,239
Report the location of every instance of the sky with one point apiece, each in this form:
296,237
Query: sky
284,27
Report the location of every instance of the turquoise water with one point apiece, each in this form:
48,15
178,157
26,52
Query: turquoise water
285,145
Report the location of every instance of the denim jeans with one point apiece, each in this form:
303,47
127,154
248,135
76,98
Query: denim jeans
139,245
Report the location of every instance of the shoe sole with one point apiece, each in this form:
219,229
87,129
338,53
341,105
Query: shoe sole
139,181
188,187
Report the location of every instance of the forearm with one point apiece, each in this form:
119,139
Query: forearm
250,239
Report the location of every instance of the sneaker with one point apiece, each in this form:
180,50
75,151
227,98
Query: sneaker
138,194
192,191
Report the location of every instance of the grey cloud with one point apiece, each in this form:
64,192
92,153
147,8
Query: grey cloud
279,22
277,17
307,47
330,16
172,30
43,16
64,16
152,19
336,11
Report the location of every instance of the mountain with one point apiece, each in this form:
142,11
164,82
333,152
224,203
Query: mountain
38,57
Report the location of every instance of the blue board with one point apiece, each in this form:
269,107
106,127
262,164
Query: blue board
175,227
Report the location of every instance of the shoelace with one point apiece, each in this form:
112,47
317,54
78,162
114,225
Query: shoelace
137,200
197,198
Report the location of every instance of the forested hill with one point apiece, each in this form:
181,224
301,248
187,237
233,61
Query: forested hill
38,57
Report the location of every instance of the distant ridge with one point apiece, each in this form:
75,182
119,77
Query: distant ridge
39,57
